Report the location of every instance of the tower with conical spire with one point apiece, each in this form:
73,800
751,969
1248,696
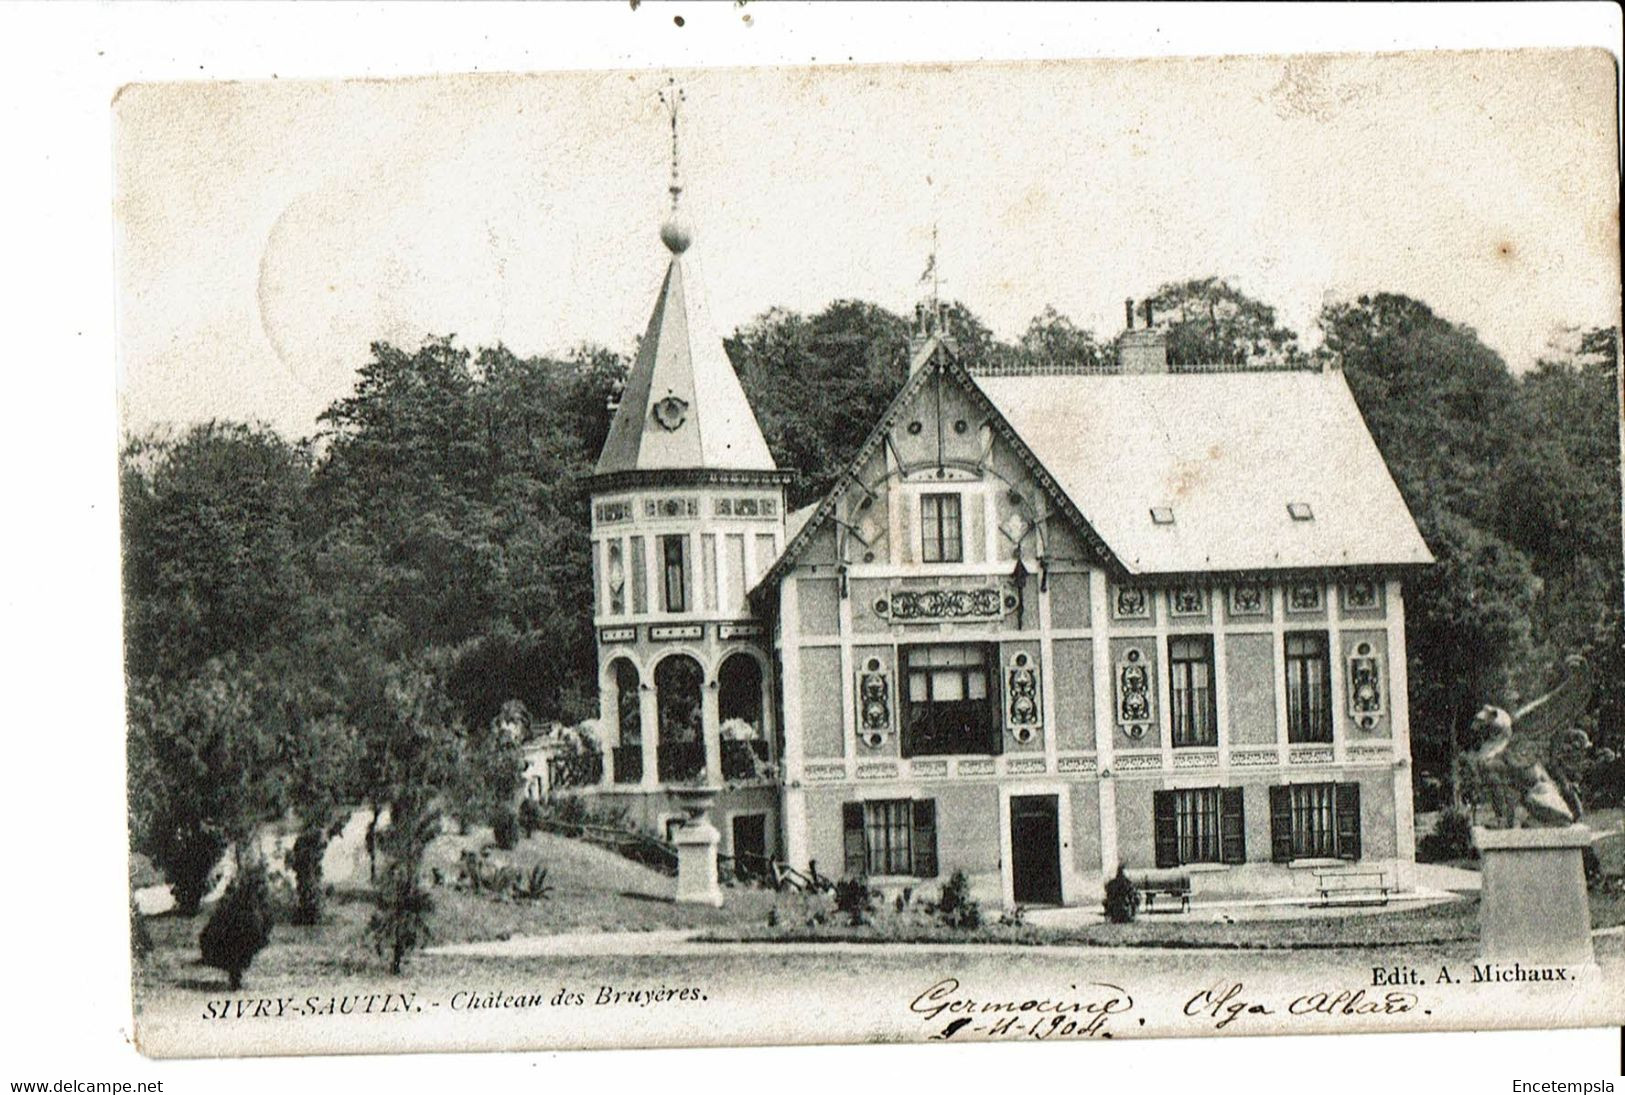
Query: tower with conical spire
687,514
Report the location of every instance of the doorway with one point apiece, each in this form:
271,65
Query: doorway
1035,849
750,845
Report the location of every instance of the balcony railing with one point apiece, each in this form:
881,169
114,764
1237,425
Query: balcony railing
681,762
628,763
582,769
743,760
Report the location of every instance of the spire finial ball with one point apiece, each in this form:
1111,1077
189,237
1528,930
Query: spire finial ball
676,234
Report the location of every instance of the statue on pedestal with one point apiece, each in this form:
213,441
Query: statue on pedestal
1529,764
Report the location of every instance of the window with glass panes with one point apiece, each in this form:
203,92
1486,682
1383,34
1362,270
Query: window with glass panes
1308,687
1314,820
886,836
1190,672
673,549
1199,825
948,704
941,540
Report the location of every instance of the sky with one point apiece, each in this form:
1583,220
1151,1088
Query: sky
267,232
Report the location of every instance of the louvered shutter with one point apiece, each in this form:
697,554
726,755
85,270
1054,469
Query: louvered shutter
1348,821
856,865
1232,826
923,839
1281,824
1167,829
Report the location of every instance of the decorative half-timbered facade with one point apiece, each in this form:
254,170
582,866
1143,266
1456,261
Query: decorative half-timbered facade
1048,625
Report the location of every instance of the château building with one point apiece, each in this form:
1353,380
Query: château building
1044,625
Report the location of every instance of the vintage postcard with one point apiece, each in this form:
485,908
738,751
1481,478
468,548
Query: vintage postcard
1021,552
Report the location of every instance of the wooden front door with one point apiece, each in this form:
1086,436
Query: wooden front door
750,845
1035,847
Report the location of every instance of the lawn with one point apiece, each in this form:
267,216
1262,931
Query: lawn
1448,922
596,890
593,890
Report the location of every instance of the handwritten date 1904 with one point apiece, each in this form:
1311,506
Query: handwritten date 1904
1228,1002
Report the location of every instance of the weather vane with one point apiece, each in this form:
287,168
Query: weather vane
672,97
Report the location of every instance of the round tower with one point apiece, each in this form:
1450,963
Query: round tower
687,514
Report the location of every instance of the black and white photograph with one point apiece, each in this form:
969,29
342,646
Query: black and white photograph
1070,550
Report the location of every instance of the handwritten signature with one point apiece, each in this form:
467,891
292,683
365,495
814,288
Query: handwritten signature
1083,1015
1227,1002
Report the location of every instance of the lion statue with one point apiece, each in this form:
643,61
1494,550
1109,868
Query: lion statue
1529,764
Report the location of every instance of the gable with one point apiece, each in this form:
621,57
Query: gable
941,435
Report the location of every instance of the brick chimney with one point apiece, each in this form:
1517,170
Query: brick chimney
1145,350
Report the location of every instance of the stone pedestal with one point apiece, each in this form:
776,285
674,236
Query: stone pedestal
697,844
1533,907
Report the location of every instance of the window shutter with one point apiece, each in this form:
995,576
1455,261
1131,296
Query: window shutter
1281,824
924,837
1167,829
1348,821
856,846
1232,826
995,699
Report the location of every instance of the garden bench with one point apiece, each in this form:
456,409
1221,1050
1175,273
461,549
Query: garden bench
1352,887
1174,887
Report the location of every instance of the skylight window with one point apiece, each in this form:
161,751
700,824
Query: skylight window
1300,511
1162,515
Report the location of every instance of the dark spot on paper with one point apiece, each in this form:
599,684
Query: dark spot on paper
678,19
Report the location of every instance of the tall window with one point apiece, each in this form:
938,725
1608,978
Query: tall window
940,536
890,837
1315,821
1190,669
1199,825
628,752
673,550
1308,687
948,705
680,751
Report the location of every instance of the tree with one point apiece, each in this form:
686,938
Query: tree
1466,628
1052,339
817,384
1440,404
240,926
453,514
414,748
1209,321
203,771
212,545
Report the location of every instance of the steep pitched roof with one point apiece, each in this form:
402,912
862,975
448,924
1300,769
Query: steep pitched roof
934,354
707,423
1227,453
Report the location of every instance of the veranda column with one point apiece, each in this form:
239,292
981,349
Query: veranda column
711,733
649,717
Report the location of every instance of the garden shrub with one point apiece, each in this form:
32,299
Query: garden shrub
306,862
956,907
1451,838
854,899
530,816
532,885
505,828
1122,899
401,923
240,926
140,939
188,858
1605,780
